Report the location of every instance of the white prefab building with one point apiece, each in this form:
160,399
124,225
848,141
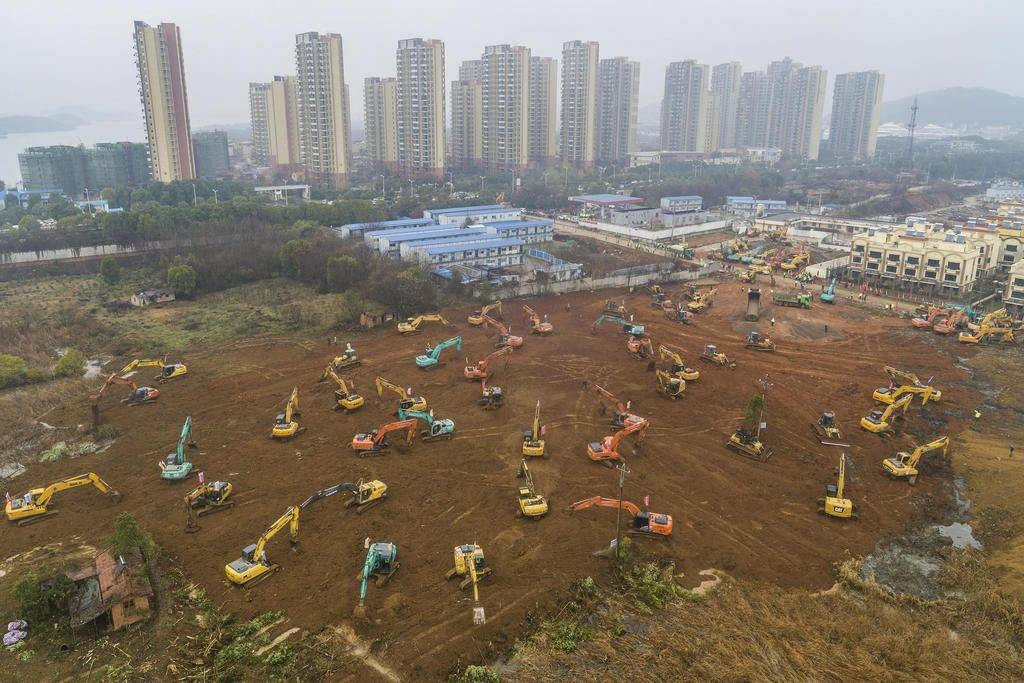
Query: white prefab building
390,242
466,215
359,229
682,204
529,231
633,215
494,252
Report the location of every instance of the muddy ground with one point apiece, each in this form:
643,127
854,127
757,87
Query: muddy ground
753,520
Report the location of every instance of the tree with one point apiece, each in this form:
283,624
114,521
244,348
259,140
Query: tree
182,280
129,536
110,270
70,364
13,371
342,273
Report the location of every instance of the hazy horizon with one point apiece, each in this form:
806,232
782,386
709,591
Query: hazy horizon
86,54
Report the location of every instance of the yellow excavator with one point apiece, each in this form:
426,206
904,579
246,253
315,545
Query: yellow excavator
472,567
32,506
532,505
254,565
669,386
902,382
168,371
285,425
412,325
834,504
701,300
904,465
533,444
365,494
344,398
476,318
206,499
999,318
406,402
882,421
987,333
679,368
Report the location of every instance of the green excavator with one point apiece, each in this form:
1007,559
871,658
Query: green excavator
437,428
177,465
381,564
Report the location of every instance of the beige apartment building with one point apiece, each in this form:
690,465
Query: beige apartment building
543,126
619,96
274,116
684,107
924,256
420,107
506,107
467,124
380,109
325,131
856,105
725,100
1013,294
161,72
579,102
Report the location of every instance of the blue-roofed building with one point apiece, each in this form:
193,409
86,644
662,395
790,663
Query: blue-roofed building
493,252
464,215
358,229
529,231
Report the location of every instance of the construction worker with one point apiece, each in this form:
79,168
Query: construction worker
773,321
977,414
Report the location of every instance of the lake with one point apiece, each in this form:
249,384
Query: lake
114,131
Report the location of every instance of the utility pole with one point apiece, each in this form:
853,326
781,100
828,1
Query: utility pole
618,511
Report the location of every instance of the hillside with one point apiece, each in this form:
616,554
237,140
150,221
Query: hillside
959,106
36,124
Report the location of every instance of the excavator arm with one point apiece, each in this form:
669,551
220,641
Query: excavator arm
902,377
289,519
383,384
598,501
639,428
408,425
292,407
665,352
900,404
87,479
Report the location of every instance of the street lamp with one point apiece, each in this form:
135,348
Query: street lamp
482,179
195,199
216,200
602,170
383,188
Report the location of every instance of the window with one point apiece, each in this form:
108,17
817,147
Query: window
857,259
913,260
893,257
872,266
891,269
1011,247
930,274
910,272
875,254
953,265
932,263
950,277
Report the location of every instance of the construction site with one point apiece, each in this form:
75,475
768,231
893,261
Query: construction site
788,385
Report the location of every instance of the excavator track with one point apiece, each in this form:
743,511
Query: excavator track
211,509
273,569
38,518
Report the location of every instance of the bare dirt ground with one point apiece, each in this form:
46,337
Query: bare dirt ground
753,520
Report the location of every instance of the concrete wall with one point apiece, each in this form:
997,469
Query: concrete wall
664,234
614,282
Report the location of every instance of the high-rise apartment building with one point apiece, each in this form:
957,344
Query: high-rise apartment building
856,103
753,110
796,101
420,107
618,99
725,98
323,108
467,124
380,104
505,113
684,107
274,116
80,170
161,70
543,127
579,102
210,149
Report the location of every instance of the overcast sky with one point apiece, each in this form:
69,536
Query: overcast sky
62,52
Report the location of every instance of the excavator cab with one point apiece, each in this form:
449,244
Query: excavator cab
284,428
172,370
366,494
141,395
463,555
492,398
652,523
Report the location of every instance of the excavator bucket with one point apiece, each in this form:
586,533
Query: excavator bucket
479,618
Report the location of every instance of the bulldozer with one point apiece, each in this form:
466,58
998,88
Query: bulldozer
883,422
701,300
348,359
748,276
834,504
713,355
168,371
625,326
206,499
669,386
904,465
747,442
406,401
533,443
476,318
481,370
505,336
33,505
412,325
613,307
827,429
620,415
902,382
380,564
436,428
345,397
177,465
679,368
431,357
285,425
375,441
759,342
651,524
136,395
640,348
365,494
538,325
606,450
532,505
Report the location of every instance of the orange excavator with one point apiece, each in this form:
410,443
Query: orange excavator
538,326
505,337
136,395
375,441
641,348
606,449
653,524
481,370
928,320
621,417
951,323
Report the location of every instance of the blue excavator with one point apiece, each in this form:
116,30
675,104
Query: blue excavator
437,428
627,327
381,564
429,358
828,295
177,465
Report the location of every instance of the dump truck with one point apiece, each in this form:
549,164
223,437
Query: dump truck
753,304
795,300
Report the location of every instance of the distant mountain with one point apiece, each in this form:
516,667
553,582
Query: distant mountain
36,124
649,114
88,115
959,107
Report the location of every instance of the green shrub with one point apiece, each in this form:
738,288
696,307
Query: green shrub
475,673
37,376
648,586
41,598
108,431
129,536
567,634
182,280
71,364
110,270
13,371
63,449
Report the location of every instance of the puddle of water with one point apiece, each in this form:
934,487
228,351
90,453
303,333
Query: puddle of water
962,535
93,369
